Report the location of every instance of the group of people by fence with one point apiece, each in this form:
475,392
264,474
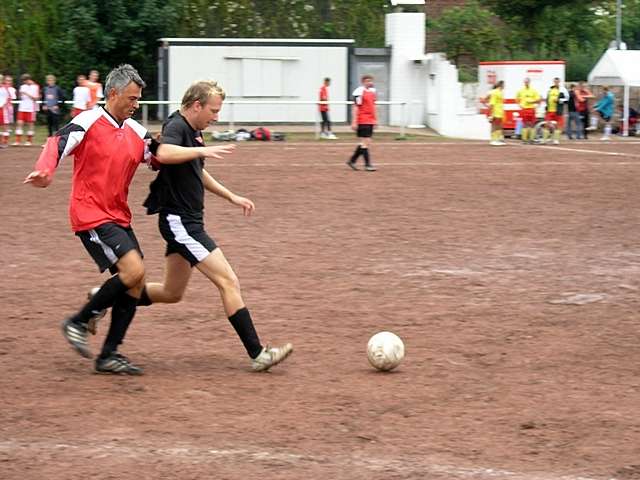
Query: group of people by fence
30,99
560,103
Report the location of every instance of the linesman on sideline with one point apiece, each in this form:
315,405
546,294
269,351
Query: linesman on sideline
364,119
107,145
177,195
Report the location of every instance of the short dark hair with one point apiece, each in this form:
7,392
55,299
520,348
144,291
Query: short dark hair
327,79
366,77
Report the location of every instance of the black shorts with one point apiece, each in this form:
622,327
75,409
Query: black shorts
365,131
606,119
108,243
185,237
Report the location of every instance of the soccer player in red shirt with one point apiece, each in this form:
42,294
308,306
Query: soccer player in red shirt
364,119
108,146
324,111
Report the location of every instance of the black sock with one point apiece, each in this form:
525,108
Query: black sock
356,154
104,298
365,153
241,321
144,301
122,313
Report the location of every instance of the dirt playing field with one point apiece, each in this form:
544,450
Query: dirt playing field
512,275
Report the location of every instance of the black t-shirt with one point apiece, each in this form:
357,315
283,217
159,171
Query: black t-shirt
178,188
571,103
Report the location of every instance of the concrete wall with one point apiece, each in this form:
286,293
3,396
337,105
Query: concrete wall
447,110
429,81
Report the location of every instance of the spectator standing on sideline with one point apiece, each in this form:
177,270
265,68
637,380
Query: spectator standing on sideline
605,107
495,102
364,119
574,118
81,96
6,109
583,108
324,111
528,99
53,98
95,89
29,95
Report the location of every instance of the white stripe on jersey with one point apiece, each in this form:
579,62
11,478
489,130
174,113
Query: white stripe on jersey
136,127
108,252
182,236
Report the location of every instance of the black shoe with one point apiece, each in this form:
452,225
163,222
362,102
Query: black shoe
116,363
352,164
77,335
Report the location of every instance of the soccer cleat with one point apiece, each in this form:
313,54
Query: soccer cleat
271,356
352,165
77,335
331,136
370,168
92,325
117,364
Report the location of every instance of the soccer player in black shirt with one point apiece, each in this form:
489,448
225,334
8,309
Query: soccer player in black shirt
177,195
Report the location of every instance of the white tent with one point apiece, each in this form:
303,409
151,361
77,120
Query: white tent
618,68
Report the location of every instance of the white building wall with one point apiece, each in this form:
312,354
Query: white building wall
429,83
405,34
263,73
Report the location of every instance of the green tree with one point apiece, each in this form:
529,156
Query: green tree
466,33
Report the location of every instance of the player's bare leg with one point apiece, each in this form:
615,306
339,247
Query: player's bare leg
19,131
177,272
30,132
217,269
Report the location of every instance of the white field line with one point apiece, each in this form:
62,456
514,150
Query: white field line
401,143
198,454
479,163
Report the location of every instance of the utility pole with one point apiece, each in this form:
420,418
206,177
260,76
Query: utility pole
619,25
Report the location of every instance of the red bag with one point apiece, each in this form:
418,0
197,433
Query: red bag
261,133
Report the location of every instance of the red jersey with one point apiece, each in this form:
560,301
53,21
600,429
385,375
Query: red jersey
95,93
365,100
106,157
324,97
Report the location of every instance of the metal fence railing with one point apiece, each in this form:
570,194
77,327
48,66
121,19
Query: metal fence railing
312,117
